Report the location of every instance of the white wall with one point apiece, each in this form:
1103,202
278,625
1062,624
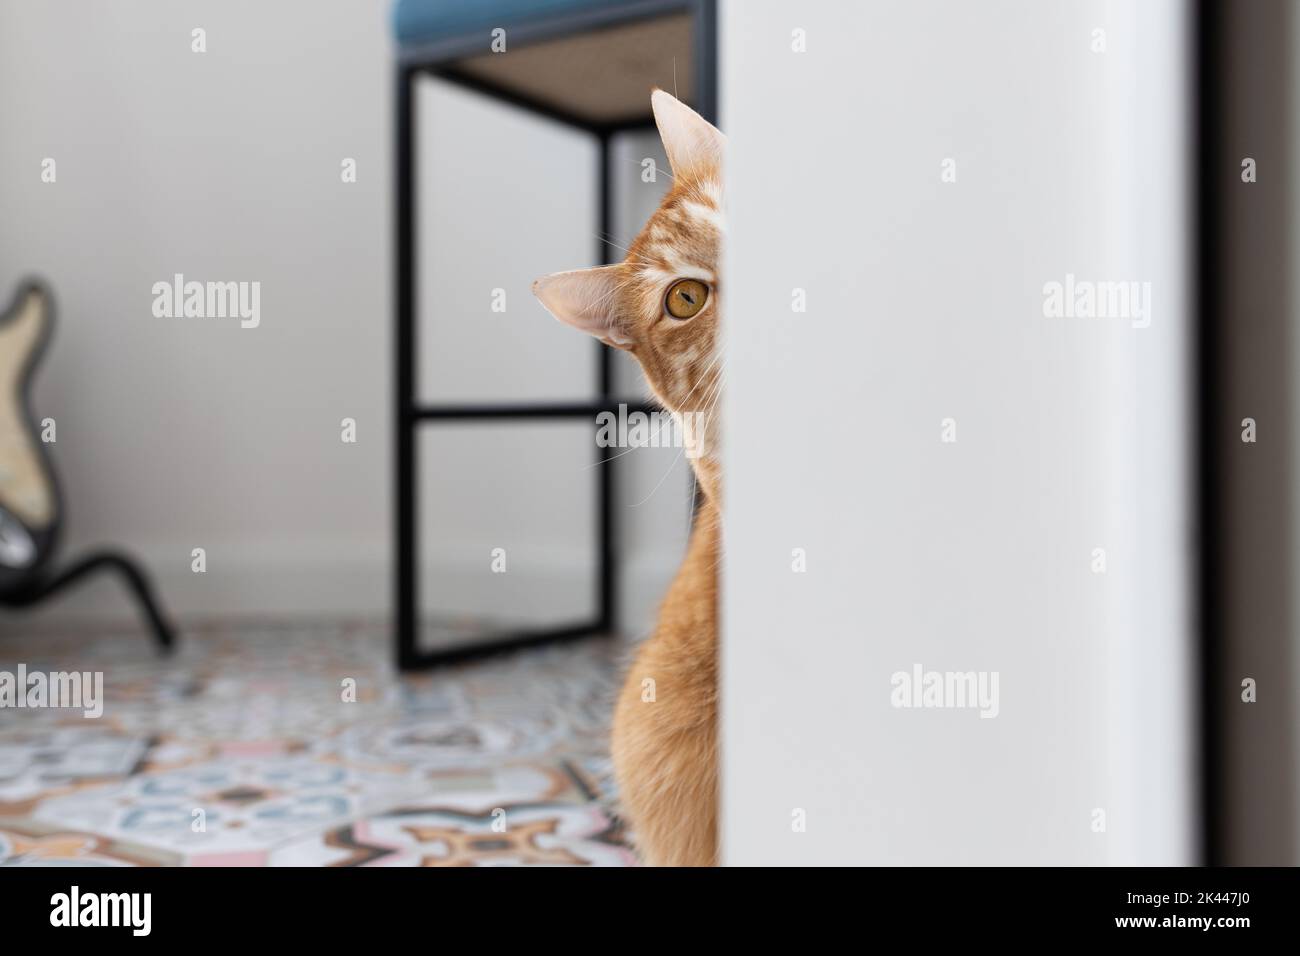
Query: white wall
175,434
925,302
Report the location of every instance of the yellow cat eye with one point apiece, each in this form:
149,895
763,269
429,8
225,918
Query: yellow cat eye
685,298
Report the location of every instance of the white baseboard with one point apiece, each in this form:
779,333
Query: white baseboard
542,584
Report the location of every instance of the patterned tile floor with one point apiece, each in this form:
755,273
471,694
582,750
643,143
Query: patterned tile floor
240,750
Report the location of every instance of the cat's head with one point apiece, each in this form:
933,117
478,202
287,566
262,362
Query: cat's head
662,302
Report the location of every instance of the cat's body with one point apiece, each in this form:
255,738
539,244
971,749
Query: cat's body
666,751
662,304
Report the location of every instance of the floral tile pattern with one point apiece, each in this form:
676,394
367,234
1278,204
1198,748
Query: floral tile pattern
298,745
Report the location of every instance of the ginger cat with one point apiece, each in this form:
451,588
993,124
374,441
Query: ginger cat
662,305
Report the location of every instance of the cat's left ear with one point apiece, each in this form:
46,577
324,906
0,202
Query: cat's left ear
693,144
586,299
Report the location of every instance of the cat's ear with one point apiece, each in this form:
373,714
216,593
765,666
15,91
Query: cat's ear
692,143
585,299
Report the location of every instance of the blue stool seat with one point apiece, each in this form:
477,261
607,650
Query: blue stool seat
421,21
586,62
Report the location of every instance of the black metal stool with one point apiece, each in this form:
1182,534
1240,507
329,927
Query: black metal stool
453,41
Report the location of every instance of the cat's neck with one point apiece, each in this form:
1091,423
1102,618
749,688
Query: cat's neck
708,477
697,579
706,528
688,617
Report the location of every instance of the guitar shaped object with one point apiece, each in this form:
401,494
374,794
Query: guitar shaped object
30,506
29,499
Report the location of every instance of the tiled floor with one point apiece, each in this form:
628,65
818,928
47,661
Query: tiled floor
242,750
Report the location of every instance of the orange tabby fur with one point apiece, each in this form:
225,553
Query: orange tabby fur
666,752
665,749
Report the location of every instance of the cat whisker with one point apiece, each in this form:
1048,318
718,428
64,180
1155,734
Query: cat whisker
703,376
663,479
658,168
709,404
607,240
605,461
611,241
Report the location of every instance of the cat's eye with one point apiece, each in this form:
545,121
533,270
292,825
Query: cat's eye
685,298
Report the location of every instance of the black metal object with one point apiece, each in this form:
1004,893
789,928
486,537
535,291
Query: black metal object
538,410
439,59
46,585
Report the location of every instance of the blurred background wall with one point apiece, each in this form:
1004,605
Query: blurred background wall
925,318
175,434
